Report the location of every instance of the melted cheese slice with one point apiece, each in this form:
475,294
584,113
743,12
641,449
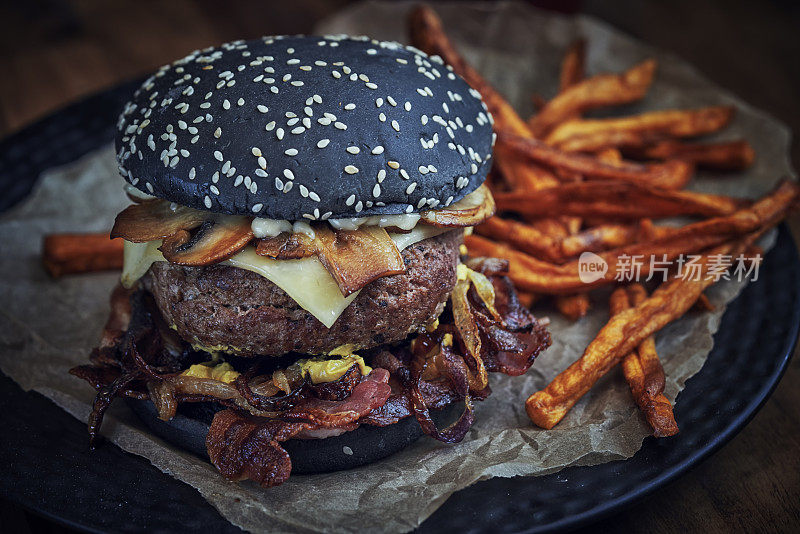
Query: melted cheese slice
304,280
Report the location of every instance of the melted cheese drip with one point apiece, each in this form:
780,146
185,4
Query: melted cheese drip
304,280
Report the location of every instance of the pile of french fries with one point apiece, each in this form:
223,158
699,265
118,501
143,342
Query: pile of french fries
565,184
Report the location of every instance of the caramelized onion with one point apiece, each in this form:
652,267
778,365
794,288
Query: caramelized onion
435,373
485,290
207,387
162,393
339,389
456,373
468,332
493,267
263,385
105,396
242,384
280,381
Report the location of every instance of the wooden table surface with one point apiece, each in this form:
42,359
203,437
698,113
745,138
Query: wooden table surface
55,51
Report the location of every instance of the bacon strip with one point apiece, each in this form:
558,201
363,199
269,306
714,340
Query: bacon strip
371,393
246,447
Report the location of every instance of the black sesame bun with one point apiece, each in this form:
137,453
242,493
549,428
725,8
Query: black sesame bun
306,128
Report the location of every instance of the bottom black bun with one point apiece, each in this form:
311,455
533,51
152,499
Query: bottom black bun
364,445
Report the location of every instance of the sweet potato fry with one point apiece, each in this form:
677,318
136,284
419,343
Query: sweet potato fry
523,236
638,130
619,301
553,228
602,140
538,276
610,155
568,177
573,307
619,337
673,174
557,249
598,91
615,201
649,231
728,155
80,253
521,174
602,237
645,375
573,224
572,66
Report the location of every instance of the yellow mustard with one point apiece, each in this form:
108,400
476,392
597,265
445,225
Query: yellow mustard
330,370
222,372
447,340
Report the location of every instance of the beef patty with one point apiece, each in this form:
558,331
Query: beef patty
225,308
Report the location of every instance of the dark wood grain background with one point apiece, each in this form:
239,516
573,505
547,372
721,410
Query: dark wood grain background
55,51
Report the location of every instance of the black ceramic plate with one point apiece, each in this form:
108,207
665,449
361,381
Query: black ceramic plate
46,466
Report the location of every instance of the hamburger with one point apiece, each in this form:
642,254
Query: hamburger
295,292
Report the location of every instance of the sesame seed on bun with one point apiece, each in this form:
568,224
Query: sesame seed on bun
306,128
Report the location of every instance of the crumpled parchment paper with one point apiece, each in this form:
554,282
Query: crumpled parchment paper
48,326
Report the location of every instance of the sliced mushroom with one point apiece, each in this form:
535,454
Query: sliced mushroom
356,258
473,209
155,219
216,239
287,246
